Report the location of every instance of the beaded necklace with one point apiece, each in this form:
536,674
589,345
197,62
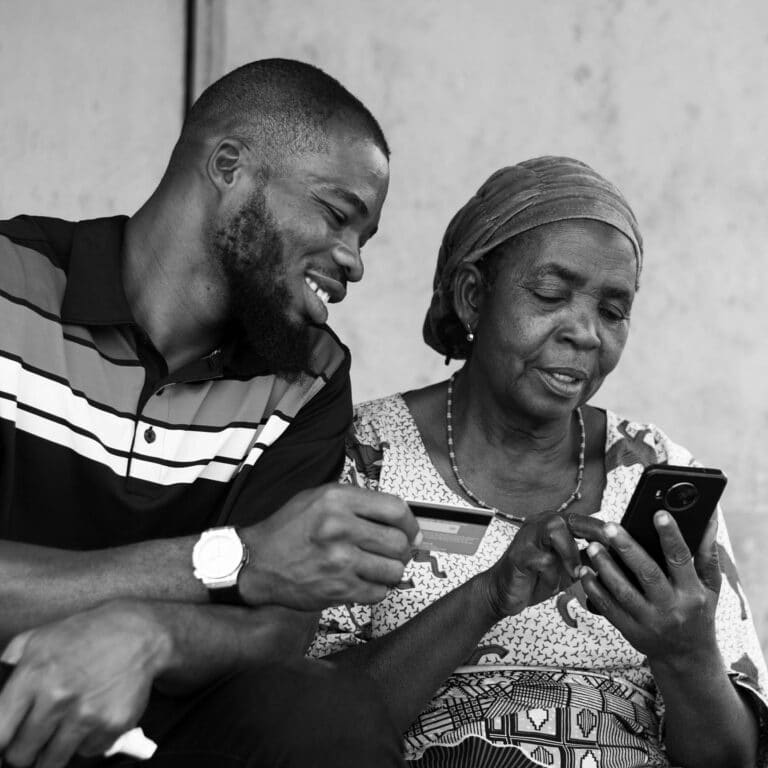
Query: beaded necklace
575,494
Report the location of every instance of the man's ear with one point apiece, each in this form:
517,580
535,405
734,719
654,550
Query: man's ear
468,294
226,162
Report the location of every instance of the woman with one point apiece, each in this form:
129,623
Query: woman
534,287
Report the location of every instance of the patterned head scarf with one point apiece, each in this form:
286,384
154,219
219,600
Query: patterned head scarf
514,200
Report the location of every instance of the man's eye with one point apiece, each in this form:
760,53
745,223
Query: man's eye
339,217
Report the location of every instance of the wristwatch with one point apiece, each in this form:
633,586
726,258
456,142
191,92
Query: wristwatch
217,559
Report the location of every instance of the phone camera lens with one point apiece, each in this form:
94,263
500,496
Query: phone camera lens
681,496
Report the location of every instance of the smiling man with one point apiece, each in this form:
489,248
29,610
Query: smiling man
172,416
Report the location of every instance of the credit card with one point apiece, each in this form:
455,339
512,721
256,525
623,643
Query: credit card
448,528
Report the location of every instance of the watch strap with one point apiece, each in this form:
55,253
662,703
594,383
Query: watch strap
226,595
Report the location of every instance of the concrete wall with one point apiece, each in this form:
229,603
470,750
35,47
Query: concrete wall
91,101
667,98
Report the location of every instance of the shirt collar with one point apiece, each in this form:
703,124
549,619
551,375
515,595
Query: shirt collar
94,293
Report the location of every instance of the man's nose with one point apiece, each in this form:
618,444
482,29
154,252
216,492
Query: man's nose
347,256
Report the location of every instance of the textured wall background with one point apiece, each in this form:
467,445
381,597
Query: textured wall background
665,97
91,100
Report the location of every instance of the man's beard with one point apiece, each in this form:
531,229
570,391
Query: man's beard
250,253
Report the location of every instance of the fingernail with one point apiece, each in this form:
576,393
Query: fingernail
583,571
419,538
611,530
593,549
662,518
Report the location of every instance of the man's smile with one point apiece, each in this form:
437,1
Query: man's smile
324,295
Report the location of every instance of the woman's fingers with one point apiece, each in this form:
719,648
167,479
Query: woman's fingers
650,577
707,560
542,559
613,590
679,559
560,539
604,602
586,527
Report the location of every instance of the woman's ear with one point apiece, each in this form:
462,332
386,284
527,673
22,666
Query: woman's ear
225,163
468,294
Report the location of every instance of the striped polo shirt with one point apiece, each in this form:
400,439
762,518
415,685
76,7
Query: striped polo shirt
100,446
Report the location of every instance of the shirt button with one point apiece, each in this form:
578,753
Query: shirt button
149,435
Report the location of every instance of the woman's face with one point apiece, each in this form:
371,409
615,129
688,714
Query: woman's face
554,321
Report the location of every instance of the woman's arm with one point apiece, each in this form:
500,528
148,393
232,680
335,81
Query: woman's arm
707,720
672,621
413,660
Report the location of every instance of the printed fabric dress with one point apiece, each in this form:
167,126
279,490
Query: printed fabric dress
556,685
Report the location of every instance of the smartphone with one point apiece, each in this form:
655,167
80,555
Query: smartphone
449,528
688,494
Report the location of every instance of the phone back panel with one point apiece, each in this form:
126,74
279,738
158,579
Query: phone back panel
661,484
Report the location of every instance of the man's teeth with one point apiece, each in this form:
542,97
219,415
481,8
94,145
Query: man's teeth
323,295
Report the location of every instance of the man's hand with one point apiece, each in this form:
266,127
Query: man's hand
78,684
541,560
329,545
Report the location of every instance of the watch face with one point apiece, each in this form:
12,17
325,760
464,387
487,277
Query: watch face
219,555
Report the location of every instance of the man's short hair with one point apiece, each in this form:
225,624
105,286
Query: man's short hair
282,106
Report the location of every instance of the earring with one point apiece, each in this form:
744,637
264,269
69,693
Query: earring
470,335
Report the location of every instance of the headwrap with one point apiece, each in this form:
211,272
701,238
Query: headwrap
514,200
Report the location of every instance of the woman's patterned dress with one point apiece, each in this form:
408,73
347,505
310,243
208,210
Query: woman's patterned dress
556,685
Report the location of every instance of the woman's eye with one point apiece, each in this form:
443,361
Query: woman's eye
614,314
549,298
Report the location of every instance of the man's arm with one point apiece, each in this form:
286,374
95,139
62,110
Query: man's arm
91,631
83,680
40,584
325,546
185,647
79,683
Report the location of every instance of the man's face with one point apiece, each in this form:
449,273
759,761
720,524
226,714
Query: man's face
290,247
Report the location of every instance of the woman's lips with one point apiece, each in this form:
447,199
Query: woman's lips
560,383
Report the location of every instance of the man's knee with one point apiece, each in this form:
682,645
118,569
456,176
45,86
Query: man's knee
324,694
312,713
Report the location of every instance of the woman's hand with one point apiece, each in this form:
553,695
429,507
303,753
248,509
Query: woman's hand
670,619
541,560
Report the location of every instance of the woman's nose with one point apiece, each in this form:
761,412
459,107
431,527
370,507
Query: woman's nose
347,256
581,329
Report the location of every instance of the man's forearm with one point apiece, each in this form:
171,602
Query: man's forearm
40,584
207,642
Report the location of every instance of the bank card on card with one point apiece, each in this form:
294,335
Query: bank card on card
447,528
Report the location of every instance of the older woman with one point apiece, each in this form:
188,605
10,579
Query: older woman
493,659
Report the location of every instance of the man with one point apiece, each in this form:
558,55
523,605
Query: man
166,378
